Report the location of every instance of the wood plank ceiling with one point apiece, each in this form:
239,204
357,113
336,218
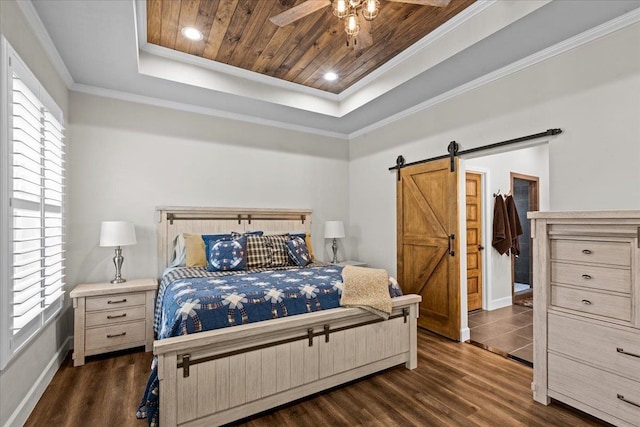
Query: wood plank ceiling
239,33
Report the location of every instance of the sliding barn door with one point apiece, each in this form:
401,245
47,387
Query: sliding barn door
428,259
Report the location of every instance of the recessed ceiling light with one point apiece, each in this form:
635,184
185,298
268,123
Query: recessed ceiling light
331,76
192,33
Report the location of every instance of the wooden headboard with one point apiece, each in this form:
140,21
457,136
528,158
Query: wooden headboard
199,220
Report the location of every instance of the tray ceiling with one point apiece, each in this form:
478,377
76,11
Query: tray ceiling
100,47
239,33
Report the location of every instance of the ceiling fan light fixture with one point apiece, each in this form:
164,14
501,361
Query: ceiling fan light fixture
192,33
370,9
351,26
340,8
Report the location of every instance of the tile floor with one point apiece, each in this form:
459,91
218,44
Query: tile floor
507,331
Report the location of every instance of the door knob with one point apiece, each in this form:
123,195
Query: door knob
480,247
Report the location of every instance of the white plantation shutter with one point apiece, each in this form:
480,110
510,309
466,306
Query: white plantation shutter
33,204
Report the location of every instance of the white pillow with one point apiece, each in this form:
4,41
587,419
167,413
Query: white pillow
179,252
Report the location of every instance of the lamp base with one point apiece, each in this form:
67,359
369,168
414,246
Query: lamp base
334,246
117,261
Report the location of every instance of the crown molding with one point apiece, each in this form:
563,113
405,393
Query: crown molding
190,108
45,40
588,36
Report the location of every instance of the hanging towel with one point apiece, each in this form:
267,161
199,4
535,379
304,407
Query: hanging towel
514,225
501,240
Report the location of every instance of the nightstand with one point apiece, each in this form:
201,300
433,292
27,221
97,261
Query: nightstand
353,263
110,317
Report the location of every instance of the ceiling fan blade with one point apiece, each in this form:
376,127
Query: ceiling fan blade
297,12
435,3
364,38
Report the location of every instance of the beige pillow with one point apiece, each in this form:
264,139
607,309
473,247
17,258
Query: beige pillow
307,241
194,247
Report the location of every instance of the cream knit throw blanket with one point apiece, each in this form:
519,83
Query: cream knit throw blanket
367,288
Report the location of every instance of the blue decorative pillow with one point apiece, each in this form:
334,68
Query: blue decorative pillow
298,251
210,239
228,255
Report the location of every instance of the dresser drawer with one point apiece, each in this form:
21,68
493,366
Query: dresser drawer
591,251
611,348
591,302
115,335
108,302
595,388
110,317
589,276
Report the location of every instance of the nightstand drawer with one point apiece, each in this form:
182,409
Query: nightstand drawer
615,349
109,317
109,302
590,302
589,276
116,335
591,251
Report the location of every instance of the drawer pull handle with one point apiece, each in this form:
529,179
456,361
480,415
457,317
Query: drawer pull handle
621,350
586,302
586,277
121,334
621,397
118,316
586,251
117,302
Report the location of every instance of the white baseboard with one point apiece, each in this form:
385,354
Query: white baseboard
22,412
499,303
465,334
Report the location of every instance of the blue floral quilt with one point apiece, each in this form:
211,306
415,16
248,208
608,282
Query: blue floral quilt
192,300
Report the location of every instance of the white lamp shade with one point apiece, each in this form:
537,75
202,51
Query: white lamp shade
117,233
333,230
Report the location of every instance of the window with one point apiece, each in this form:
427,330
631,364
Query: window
33,171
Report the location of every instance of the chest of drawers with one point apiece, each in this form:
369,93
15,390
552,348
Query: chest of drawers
110,317
587,312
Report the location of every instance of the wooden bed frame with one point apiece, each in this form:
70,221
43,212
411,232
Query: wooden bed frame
219,376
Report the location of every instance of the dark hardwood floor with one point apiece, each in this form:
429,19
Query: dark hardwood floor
455,384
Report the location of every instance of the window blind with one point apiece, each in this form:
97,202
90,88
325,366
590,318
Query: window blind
36,171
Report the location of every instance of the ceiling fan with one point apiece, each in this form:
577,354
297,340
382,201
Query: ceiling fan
349,9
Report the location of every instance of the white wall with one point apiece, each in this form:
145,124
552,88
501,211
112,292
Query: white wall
27,375
497,170
125,159
591,92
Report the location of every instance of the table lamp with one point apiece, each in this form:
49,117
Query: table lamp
334,230
118,234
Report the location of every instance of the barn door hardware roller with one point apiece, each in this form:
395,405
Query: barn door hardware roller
453,152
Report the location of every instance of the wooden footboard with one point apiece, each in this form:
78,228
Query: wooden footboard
216,377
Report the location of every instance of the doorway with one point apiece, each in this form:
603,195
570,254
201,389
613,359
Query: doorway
500,325
525,192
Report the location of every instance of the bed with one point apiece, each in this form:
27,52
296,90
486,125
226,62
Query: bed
236,366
